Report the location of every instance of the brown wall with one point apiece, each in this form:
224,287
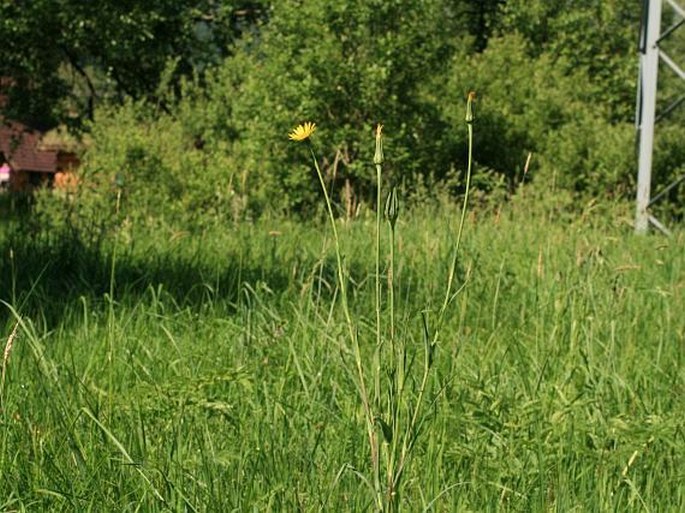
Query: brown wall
67,161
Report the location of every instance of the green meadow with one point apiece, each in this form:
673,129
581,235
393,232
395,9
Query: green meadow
234,301
208,371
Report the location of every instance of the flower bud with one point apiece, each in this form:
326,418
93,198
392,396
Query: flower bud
469,106
378,156
392,207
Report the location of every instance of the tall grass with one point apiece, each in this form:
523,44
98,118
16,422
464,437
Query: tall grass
560,369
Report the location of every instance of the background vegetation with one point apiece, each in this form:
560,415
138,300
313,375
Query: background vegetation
226,81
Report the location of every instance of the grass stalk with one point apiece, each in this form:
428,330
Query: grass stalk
377,354
354,339
5,359
110,309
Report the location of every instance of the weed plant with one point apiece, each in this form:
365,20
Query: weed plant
392,397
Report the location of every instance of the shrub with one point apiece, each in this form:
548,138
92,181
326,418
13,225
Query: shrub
536,105
142,167
345,65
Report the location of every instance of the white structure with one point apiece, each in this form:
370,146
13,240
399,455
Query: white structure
650,55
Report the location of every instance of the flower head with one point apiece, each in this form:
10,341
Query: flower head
469,106
302,132
378,156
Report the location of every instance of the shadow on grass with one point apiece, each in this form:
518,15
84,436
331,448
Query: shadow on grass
44,279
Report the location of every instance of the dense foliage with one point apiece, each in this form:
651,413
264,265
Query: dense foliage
227,80
61,56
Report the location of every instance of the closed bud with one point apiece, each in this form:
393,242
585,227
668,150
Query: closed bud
378,156
392,207
469,106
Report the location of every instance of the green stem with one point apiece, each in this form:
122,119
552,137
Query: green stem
453,267
398,380
373,441
391,291
377,362
377,352
338,255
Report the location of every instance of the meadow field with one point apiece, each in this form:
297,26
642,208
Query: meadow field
208,370
205,306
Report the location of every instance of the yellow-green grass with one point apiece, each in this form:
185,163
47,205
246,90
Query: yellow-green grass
211,379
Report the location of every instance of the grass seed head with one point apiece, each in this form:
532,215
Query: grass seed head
8,346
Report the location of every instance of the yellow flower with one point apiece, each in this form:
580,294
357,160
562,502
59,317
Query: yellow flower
302,132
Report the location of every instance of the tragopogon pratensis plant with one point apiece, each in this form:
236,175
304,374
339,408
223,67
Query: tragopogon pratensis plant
303,133
394,407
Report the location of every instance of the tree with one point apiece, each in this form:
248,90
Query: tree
59,56
483,18
597,37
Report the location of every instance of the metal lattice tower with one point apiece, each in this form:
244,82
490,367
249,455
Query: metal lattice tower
651,54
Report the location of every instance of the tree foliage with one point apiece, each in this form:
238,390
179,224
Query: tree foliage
62,55
231,78
347,65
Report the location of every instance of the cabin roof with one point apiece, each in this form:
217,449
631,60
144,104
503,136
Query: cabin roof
21,146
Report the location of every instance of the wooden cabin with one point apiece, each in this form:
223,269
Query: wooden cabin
34,159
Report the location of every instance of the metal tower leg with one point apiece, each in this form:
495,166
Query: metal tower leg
650,56
649,66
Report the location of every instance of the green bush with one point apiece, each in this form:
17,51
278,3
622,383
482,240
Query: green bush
537,106
142,168
346,66
222,151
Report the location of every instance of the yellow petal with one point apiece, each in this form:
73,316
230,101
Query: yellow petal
302,132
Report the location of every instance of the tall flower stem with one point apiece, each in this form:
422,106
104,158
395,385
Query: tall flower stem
377,354
396,392
368,416
377,364
453,268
